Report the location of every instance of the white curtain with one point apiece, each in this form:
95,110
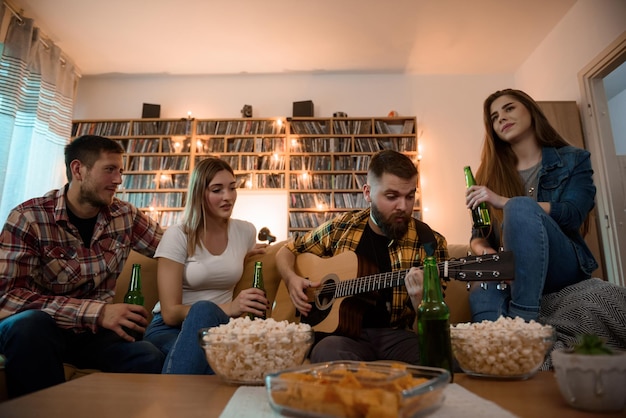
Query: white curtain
37,89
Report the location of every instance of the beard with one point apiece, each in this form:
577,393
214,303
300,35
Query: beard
89,195
392,230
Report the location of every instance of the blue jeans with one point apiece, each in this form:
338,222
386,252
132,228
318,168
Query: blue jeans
545,262
184,355
36,348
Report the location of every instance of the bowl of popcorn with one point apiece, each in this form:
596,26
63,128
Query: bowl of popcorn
506,348
243,351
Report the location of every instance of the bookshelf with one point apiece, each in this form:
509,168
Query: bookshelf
321,163
328,159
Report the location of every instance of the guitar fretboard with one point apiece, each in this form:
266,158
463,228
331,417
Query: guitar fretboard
463,269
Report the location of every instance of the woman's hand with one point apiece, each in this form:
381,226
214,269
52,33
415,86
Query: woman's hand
250,300
414,282
476,195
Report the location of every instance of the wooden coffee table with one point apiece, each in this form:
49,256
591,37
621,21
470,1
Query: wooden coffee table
155,396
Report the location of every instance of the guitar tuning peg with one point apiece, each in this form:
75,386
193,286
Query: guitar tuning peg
468,286
500,249
502,286
483,285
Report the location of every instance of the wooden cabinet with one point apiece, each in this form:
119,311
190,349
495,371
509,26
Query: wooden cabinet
321,163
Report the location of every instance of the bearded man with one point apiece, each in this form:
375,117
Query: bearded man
373,325
60,256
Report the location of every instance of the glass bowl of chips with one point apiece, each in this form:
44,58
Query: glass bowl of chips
338,389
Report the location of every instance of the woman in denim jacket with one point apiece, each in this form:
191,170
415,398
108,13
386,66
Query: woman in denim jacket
539,191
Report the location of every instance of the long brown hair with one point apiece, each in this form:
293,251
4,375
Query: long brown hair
195,214
498,162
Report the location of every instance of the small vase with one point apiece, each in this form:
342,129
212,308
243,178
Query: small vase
591,382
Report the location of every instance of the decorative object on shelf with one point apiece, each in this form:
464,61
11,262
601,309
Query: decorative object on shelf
246,112
303,109
340,115
151,111
392,114
189,121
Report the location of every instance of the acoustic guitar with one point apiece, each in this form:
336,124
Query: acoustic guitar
340,278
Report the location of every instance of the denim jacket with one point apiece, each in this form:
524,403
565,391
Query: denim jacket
565,180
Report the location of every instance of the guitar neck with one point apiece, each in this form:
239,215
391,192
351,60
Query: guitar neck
370,283
378,281
467,269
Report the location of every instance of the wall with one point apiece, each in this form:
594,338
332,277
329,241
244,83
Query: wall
551,71
448,109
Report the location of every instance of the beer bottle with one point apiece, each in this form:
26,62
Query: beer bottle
480,215
257,282
433,322
134,297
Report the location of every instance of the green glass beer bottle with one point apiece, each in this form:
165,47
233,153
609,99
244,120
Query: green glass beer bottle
480,215
433,322
257,282
134,297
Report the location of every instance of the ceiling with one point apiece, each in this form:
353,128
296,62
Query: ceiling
296,36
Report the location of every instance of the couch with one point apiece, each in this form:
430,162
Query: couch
456,294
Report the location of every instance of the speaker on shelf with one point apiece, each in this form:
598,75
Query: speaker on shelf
304,108
151,111
246,111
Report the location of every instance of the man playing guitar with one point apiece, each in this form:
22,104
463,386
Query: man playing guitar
376,325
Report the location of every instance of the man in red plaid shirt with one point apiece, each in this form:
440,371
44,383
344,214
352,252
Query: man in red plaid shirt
60,256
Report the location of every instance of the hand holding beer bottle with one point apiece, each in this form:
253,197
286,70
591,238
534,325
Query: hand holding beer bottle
480,215
257,282
134,296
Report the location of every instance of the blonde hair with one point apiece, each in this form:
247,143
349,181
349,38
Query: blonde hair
196,211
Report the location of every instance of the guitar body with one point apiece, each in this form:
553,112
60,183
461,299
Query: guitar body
324,316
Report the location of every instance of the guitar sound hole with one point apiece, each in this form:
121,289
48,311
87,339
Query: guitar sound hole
323,302
326,296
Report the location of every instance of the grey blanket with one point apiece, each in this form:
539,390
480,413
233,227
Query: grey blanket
592,306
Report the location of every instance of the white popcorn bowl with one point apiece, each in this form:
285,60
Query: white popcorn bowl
515,354
246,358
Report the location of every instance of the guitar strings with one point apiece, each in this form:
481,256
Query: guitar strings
366,281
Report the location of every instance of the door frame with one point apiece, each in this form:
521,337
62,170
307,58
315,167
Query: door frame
598,132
